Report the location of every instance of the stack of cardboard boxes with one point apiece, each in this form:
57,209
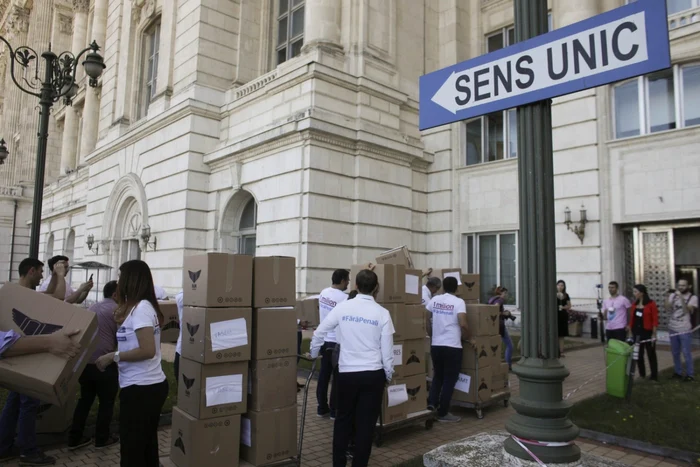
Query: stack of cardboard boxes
216,348
269,428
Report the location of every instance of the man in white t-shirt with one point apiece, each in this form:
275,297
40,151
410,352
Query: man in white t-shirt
681,305
72,296
365,333
447,325
178,346
430,289
328,299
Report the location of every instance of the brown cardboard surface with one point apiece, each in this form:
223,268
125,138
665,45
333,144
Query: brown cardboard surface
504,369
204,443
409,320
495,353
416,387
396,413
414,284
482,320
399,255
409,358
54,419
197,334
170,330
218,280
269,436
472,287
44,376
272,383
192,394
306,309
392,281
274,333
442,273
479,386
274,281
481,357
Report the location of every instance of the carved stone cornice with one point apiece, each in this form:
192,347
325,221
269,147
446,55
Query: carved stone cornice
81,6
142,11
18,21
65,24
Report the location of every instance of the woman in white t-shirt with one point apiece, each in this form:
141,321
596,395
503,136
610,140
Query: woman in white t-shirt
144,386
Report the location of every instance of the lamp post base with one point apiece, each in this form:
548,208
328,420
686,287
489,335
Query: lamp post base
541,416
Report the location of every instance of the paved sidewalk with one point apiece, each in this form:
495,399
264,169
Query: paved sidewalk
411,442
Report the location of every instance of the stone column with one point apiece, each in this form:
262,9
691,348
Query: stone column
69,148
567,12
91,110
322,23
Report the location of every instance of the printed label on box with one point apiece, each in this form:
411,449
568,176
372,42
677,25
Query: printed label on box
245,431
228,334
224,389
397,395
463,383
411,284
398,354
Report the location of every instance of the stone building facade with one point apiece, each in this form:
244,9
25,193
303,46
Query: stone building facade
290,127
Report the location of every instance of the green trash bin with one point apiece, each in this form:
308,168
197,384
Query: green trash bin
616,355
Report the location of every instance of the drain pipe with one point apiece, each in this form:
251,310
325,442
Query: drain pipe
12,243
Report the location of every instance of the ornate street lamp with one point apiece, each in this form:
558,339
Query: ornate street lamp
3,151
58,82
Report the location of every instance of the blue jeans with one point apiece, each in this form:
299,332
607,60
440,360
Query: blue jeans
508,343
19,414
682,344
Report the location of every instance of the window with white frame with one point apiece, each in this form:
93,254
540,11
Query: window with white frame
494,257
677,6
247,228
149,67
661,101
290,29
494,137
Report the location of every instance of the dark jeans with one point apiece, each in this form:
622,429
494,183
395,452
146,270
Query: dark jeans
324,377
176,368
650,348
104,386
446,364
619,334
359,403
139,414
18,414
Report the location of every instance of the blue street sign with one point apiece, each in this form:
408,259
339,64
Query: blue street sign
629,41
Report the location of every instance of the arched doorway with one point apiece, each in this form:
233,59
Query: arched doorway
238,232
126,239
49,248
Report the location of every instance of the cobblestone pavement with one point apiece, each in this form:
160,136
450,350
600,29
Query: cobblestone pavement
414,441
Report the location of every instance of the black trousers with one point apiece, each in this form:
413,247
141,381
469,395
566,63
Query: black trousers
359,403
104,386
139,414
446,364
324,378
619,334
176,368
650,349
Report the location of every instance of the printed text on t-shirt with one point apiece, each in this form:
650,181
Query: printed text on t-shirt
359,319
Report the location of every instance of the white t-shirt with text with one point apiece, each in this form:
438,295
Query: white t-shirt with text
365,333
446,329
327,301
145,372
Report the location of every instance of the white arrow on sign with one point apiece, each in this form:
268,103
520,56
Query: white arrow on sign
613,45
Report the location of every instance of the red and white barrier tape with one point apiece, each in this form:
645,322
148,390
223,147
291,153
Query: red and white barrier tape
549,444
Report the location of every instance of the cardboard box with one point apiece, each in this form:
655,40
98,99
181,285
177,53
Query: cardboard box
274,333
54,419
170,331
483,320
416,387
204,443
409,320
399,255
471,302
274,281
272,383
397,412
307,310
218,280
44,376
415,397
472,287
481,357
392,281
209,391
269,436
217,335
409,358
495,353
473,388
499,382
452,272
414,285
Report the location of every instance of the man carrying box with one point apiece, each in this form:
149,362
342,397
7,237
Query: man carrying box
330,297
447,324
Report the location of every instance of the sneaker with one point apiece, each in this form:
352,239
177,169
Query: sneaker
449,418
431,408
111,441
36,458
84,441
333,414
323,413
13,453
688,379
676,376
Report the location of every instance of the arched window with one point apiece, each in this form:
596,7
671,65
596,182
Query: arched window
69,250
247,228
49,248
239,225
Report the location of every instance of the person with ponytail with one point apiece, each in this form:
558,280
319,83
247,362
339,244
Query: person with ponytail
143,384
644,319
